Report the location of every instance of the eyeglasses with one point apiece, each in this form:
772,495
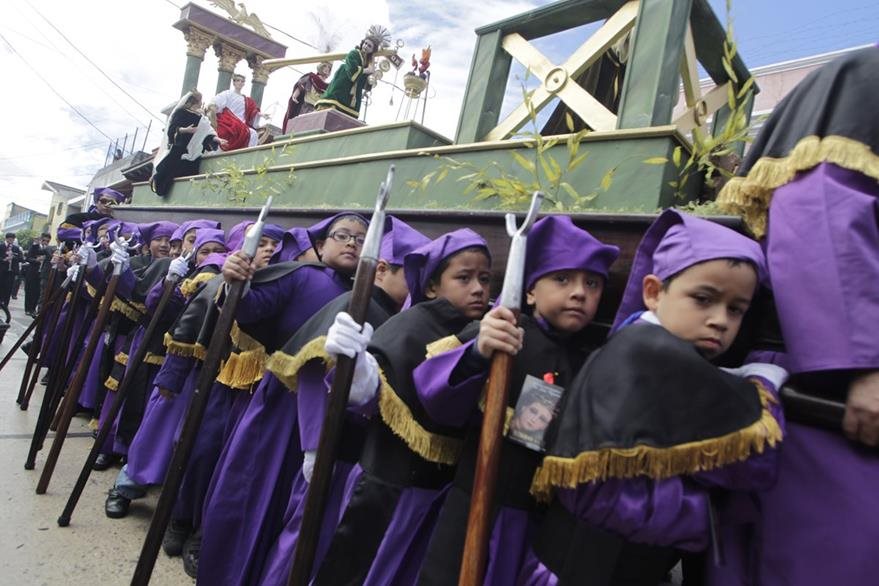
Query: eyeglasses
107,202
345,237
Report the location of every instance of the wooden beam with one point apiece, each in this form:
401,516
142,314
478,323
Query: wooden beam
615,28
689,71
707,105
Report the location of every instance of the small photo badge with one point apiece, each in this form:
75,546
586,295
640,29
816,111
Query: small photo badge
535,410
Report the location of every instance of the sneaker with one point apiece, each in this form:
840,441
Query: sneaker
191,553
176,536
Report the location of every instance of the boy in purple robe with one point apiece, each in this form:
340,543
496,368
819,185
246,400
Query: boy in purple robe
301,366
150,450
243,511
650,428
565,272
809,189
408,460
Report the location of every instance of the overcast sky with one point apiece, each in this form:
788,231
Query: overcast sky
61,112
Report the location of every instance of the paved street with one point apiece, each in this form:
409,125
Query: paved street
93,550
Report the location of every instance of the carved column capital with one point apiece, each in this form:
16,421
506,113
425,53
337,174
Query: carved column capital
260,73
197,42
228,56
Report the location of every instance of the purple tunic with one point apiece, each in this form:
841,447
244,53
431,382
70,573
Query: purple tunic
820,524
150,451
252,482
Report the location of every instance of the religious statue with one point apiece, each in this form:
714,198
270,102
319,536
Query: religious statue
239,15
345,92
306,92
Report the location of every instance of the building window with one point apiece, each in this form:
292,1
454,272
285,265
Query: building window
59,208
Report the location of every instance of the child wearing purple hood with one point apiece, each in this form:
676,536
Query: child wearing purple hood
565,272
650,431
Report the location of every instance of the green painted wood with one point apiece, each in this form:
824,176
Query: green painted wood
190,75
370,139
650,89
708,36
256,90
486,85
555,17
636,186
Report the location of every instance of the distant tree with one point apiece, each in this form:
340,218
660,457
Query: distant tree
26,237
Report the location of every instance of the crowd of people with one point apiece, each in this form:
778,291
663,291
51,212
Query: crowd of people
622,461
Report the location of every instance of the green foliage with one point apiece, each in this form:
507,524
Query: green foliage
246,185
26,237
535,169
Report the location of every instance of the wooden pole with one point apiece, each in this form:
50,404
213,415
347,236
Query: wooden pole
216,352
134,364
334,420
72,395
479,519
40,345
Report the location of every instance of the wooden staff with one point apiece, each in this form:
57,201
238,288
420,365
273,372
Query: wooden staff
44,339
134,365
46,306
217,350
36,323
68,407
334,420
57,373
479,519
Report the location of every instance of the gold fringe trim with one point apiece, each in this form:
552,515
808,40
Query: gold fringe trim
658,463
442,345
751,195
111,383
243,369
121,358
287,367
397,415
184,349
242,341
190,286
151,358
126,309
91,290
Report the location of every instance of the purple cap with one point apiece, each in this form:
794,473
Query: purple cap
556,244
399,240
295,242
154,230
273,231
67,232
206,235
91,228
236,235
215,258
102,191
124,228
318,231
185,227
420,264
676,241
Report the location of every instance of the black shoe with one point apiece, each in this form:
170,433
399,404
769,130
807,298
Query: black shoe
26,347
105,461
191,553
116,506
176,535
45,379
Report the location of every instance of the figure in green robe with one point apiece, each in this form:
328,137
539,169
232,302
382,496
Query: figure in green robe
346,90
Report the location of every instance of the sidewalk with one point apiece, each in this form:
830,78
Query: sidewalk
93,550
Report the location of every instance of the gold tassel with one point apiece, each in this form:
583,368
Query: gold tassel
190,286
286,368
121,306
111,383
91,290
658,463
151,358
397,415
121,358
184,349
243,369
442,345
751,195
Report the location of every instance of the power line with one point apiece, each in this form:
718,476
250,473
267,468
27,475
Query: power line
95,65
43,79
52,152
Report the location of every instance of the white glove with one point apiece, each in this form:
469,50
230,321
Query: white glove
771,372
308,464
72,272
347,337
179,267
119,254
86,256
